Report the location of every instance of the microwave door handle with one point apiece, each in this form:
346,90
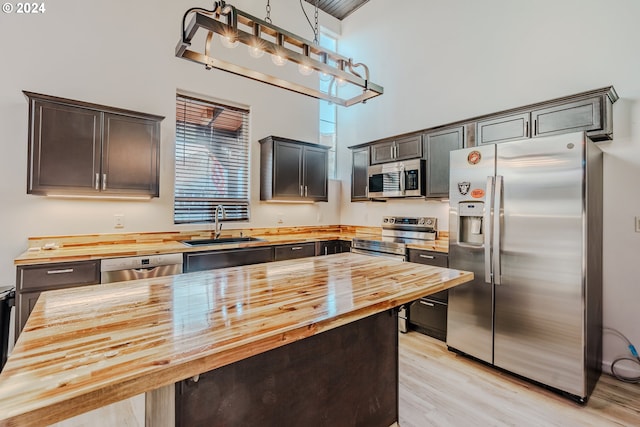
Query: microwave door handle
402,180
496,230
486,223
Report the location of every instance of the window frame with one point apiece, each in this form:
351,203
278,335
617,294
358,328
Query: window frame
213,158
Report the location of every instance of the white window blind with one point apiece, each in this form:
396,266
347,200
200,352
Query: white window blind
212,161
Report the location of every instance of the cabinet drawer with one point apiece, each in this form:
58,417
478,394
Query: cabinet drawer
58,275
428,258
430,317
302,250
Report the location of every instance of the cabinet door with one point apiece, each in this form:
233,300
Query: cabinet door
301,250
409,147
503,129
329,247
438,145
382,152
287,170
210,260
130,155
584,115
64,148
24,305
360,174
315,173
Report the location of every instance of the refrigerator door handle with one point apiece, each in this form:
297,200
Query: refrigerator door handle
487,230
496,230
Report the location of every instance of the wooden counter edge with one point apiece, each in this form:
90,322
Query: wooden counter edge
159,376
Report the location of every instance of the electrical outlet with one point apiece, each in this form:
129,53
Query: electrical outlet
638,224
118,221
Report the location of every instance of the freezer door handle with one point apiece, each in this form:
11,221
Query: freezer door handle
487,231
496,230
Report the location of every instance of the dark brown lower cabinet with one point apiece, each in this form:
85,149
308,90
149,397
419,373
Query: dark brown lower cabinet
301,250
428,315
209,260
328,247
347,376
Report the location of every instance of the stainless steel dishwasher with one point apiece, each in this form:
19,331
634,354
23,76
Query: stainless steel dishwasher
139,267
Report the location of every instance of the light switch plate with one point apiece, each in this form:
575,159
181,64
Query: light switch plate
118,221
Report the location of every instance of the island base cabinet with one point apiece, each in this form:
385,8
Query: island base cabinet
347,376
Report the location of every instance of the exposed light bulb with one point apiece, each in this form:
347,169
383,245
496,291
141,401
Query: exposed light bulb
255,51
325,77
305,70
229,41
278,60
341,82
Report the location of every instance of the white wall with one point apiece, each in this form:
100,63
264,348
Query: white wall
121,53
443,61
447,61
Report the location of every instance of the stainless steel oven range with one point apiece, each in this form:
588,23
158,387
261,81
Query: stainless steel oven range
397,233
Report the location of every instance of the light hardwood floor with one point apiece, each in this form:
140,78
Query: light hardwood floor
441,388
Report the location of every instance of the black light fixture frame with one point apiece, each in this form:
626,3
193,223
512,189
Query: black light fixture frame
225,20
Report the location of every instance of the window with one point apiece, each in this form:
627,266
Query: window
328,111
212,161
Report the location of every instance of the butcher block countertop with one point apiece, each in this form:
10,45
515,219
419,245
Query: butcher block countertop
99,246
87,347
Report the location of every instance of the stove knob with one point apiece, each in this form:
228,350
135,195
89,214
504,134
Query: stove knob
429,221
421,221
385,219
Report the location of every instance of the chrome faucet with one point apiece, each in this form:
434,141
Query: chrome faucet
216,214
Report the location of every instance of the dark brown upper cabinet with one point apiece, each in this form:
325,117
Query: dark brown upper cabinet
437,146
402,148
591,112
360,174
78,148
293,170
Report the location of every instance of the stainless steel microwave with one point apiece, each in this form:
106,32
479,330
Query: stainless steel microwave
397,179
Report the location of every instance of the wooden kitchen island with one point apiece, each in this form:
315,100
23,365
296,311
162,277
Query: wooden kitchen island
257,329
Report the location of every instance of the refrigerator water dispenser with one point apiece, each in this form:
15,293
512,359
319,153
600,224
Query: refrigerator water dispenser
471,222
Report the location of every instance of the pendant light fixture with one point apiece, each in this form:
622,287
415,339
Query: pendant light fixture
231,27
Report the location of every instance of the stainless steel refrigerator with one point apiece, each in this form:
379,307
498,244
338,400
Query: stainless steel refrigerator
526,218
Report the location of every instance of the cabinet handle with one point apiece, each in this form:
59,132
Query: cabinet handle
535,128
63,271
366,191
429,304
427,256
104,181
296,248
97,181
526,128
305,191
301,191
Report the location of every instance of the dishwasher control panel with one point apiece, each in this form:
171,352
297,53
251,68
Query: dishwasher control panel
147,261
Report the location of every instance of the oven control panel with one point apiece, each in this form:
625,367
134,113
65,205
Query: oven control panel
409,223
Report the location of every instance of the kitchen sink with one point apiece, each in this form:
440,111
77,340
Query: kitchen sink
221,240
